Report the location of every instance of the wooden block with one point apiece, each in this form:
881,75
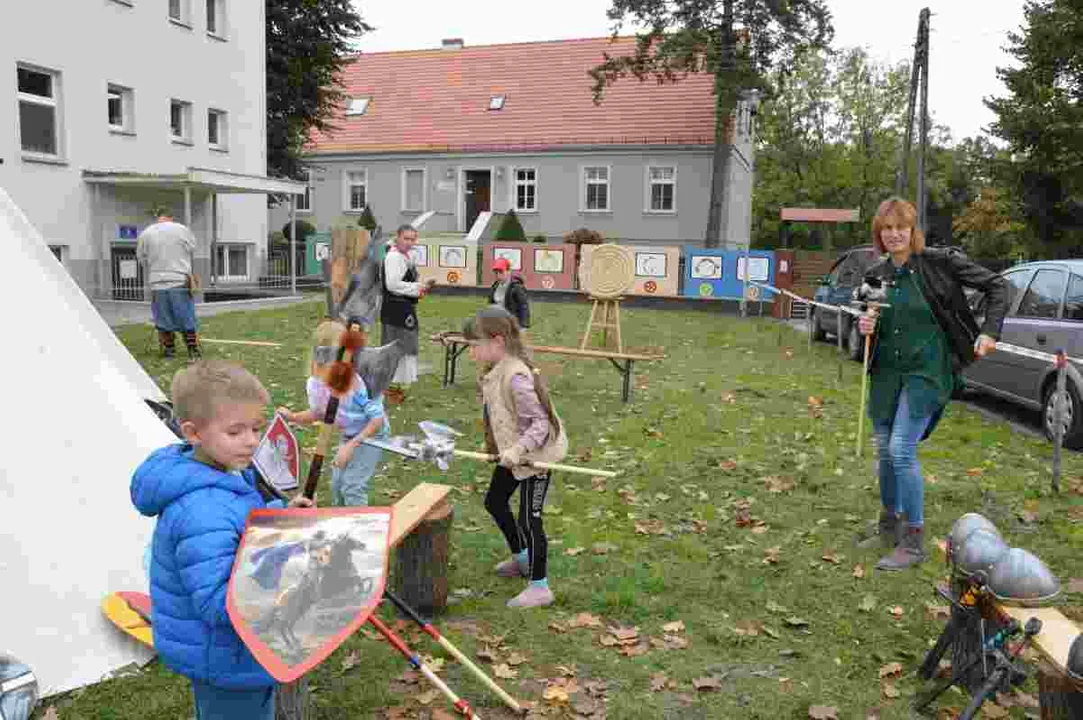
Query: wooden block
414,506
1055,639
348,246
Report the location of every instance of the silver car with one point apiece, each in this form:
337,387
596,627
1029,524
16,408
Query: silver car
1045,312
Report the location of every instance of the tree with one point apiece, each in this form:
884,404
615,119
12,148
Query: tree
367,220
308,45
987,229
510,230
1042,121
737,41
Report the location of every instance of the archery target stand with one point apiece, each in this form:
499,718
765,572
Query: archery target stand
611,274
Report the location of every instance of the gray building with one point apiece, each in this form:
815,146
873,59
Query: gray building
463,130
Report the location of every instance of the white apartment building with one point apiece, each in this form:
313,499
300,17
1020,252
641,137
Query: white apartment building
117,107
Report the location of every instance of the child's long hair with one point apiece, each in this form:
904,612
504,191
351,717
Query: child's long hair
495,321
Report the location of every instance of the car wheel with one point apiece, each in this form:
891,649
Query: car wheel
1073,415
817,327
855,343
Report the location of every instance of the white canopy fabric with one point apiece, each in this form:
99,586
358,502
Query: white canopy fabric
76,426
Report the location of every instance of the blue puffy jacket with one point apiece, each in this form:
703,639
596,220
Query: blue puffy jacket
201,517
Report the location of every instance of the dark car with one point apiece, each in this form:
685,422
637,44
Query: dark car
837,288
1045,312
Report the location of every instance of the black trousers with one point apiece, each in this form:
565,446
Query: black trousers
527,531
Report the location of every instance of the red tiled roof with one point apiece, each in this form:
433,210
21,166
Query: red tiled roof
439,99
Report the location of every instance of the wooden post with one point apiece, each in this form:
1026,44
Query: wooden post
420,570
1058,416
291,700
1060,697
348,246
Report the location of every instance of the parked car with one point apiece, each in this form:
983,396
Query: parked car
1045,312
836,288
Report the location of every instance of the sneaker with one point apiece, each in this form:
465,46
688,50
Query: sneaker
510,568
532,597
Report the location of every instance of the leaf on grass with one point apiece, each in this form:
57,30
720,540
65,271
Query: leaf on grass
602,548
859,571
426,697
573,551
505,671
1074,586
823,712
832,557
659,682
896,611
774,607
557,626
992,710
567,670
759,528
937,612
892,669
516,659
351,660
50,713
556,695
585,620
785,684
770,556
707,684
748,628
624,634
889,691
673,627
487,654
636,650
669,642
494,640
975,472
727,466
596,688
608,641
796,622
776,484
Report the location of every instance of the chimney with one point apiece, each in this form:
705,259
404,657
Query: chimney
452,44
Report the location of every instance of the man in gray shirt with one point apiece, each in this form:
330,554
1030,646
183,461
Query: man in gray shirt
165,249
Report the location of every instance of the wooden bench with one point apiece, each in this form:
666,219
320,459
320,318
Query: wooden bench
455,344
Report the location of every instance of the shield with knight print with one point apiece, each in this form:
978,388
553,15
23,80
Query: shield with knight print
306,579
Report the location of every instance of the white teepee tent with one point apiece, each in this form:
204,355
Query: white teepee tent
75,428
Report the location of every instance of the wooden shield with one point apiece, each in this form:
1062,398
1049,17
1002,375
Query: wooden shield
304,580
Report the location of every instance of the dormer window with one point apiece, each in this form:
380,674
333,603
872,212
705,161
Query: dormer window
357,106
496,102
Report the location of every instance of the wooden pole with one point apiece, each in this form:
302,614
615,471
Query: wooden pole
486,457
1058,415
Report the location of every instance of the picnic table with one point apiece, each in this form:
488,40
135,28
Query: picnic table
455,344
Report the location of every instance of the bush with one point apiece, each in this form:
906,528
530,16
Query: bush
304,229
584,236
510,230
367,219
539,238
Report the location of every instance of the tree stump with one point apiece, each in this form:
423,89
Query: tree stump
1060,697
291,700
420,574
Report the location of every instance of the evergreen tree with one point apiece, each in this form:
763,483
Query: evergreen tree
510,230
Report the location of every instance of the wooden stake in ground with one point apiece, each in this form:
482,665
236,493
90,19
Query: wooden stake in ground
1058,415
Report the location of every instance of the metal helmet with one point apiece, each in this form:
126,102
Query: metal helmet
18,689
980,551
962,529
1075,658
1020,577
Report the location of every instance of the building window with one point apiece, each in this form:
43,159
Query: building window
496,102
596,189
216,17
304,202
413,190
357,106
231,261
39,111
661,189
356,190
121,109
180,121
178,11
526,190
217,130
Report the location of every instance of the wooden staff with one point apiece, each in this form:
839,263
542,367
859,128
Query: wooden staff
455,652
460,705
874,307
339,379
486,457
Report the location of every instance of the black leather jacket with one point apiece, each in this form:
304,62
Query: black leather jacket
515,300
943,274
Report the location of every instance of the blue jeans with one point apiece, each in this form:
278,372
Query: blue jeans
173,310
350,485
902,488
215,703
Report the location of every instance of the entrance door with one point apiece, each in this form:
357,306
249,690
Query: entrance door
476,195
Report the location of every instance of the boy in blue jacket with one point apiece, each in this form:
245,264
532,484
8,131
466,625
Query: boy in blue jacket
202,493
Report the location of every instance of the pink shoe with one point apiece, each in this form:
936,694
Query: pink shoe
509,569
532,597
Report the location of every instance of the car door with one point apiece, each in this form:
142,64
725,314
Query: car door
990,370
1031,327
849,276
1070,331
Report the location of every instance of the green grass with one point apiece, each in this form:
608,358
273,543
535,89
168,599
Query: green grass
729,391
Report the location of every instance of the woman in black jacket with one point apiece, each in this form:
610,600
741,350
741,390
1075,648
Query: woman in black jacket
509,292
921,341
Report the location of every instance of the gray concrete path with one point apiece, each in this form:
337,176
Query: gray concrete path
118,312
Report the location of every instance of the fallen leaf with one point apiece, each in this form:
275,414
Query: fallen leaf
774,607
831,556
585,620
505,671
823,712
50,713
889,691
494,640
705,684
426,697
796,622
658,682
602,548
486,653
634,650
596,688
729,398
568,670
775,484
573,551
896,611
992,710
555,694
622,633
785,684
673,627
937,612
975,472
759,528
608,640
771,555
1074,586
516,659
859,571
351,660
435,664
892,669
557,626
727,465
748,628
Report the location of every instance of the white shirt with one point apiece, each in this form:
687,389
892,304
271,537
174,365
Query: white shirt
395,266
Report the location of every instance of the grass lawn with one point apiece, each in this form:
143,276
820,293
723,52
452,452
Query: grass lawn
758,619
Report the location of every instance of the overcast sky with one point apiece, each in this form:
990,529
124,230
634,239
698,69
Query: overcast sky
966,37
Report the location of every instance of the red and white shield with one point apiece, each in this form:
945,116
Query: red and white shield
304,580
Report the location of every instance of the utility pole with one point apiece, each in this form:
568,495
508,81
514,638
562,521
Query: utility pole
919,78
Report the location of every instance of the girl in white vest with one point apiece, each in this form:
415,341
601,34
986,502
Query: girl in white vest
521,426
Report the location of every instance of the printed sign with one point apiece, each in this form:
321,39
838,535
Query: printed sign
650,286
304,580
752,293
129,269
276,457
323,251
547,282
706,267
757,268
453,277
706,289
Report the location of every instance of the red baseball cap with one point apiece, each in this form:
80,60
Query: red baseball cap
502,264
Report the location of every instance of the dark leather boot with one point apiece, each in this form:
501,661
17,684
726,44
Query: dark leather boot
909,552
885,533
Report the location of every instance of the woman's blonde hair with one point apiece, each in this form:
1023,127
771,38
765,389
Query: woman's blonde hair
904,214
495,321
